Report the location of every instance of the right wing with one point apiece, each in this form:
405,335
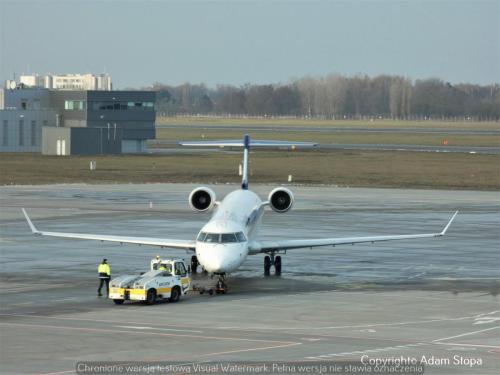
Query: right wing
162,242
270,246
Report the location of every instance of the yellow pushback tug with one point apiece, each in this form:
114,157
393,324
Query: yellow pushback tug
167,279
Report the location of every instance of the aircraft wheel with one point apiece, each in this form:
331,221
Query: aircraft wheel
151,296
277,265
267,265
194,264
175,294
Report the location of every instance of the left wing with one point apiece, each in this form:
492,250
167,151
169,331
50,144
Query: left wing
268,246
162,242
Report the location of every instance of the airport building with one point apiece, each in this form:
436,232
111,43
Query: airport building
76,122
66,81
23,114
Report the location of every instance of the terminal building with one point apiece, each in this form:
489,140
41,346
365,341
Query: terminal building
76,122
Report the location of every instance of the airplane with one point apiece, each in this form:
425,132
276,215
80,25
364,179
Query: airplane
231,234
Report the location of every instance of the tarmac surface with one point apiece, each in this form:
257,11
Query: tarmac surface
431,300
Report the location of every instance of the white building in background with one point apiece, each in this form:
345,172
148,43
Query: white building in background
100,82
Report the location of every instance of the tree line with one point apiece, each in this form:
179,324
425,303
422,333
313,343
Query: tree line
335,97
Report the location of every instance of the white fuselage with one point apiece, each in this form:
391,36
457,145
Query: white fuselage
240,211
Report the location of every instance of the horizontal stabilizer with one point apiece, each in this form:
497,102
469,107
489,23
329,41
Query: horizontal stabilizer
253,143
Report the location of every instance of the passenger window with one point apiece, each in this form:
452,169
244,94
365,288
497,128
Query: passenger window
228,237
241,237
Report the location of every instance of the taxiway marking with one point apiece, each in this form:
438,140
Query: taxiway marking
252,349
137,332
374,350
464,334
159,329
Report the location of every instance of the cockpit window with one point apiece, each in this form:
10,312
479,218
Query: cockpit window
212,237
221,237
241,237
228,237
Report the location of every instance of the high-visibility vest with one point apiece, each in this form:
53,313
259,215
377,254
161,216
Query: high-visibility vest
163,268
104,269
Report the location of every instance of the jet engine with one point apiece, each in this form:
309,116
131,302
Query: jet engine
280,199
202,199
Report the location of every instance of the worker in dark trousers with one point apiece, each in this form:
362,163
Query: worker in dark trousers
104,275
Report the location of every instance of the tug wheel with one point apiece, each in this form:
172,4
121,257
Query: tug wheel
151,296
175,294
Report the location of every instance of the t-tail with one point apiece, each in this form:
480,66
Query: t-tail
246,143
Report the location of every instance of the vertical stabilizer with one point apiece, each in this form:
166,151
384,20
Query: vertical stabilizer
246,150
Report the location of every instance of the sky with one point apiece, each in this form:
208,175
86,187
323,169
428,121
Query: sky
236,42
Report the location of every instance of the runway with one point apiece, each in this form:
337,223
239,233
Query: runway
431,298
159,146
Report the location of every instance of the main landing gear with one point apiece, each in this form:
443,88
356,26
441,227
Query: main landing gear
272,261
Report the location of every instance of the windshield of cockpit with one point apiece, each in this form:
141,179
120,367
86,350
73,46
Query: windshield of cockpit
221,237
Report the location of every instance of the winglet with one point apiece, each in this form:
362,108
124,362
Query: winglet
448,225
32,227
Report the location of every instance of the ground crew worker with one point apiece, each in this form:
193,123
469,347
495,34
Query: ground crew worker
163,267
157,264
104,275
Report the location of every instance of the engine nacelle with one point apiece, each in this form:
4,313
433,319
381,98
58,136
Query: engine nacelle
202,199
281,199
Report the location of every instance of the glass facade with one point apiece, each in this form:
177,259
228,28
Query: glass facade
121,106
80,105
75,105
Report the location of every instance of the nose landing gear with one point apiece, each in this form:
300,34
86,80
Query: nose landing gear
221,286
272,261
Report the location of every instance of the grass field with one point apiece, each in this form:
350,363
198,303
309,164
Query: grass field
201,120
343,168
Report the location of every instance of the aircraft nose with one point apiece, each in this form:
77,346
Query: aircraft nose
220,258
213,262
